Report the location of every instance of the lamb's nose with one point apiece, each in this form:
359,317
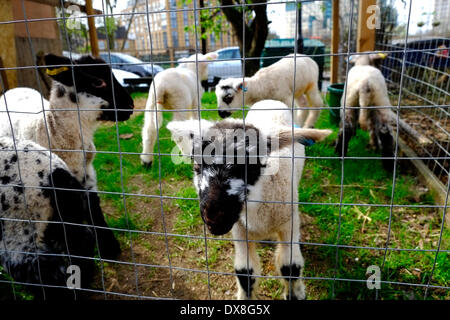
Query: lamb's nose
224,114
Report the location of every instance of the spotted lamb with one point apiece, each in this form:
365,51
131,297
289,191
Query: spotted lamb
72,115
251,195
42,230
276,82
173,89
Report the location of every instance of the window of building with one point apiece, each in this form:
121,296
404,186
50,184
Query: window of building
175,39
186,39
165,39
185,18
173,20
290,6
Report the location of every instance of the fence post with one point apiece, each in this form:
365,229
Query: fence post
335,43
365,35
92,30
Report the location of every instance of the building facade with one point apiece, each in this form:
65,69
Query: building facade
441,16
316,20
166,29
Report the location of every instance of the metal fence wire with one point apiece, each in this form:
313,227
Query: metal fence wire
366,232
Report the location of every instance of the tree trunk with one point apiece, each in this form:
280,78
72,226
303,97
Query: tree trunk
299,30
202,28
255,32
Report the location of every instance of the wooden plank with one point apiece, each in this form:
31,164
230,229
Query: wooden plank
92,29
7,45
53,3
27,77
335,43
437,188
365,38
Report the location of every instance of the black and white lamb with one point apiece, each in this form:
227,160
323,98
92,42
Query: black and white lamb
70,119
251,194
42,230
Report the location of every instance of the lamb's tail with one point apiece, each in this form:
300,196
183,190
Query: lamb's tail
366,94
157,96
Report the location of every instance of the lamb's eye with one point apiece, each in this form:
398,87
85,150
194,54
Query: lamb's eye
99,83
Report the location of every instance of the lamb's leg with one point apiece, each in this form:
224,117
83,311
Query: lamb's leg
349,127
290,261
302,114
384,139
149,133
314,100
109,247
245,282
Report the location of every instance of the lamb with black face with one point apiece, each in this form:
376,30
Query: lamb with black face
93,77
224,174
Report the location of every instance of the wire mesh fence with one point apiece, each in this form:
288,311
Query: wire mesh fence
95,195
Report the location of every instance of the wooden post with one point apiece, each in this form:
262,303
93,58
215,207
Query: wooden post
335,43
92,30
5,86
169,36
365,36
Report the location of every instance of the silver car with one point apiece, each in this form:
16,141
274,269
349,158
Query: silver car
227,65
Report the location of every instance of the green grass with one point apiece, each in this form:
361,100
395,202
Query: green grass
12,292
365,182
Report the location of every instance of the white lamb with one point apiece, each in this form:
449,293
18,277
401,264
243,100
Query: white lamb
275,82
173,89
95,96
244,195
366,87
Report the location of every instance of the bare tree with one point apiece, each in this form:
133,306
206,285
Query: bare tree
251,27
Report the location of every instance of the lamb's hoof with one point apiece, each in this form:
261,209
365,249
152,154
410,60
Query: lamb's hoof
147,165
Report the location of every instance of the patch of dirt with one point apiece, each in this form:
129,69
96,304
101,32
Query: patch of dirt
143,268
435,128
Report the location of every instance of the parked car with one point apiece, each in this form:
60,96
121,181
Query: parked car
132,64
223,67
121,75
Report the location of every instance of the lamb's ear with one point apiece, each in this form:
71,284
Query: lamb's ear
183,132
61,71
377,56
306,137
240,85
211,56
